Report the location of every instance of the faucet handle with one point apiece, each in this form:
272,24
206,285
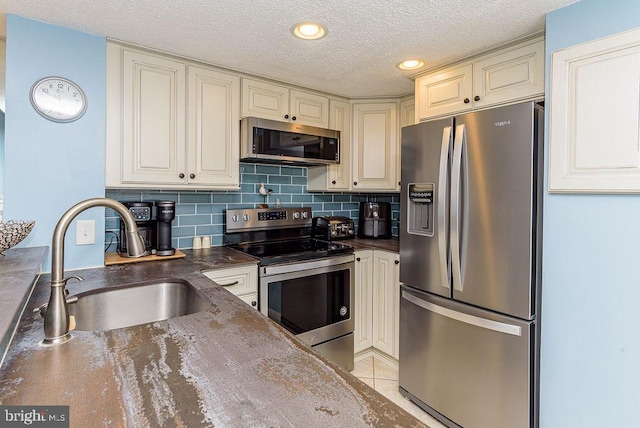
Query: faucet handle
76,277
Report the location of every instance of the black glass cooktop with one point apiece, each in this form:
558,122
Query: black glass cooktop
291,250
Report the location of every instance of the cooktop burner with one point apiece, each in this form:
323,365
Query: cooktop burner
277,235
291,250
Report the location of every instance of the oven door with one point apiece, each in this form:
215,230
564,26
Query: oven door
311,299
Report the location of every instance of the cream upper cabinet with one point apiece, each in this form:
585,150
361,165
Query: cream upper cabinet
594,138
213,131
407,116
504,76
153,120
363,300
375,147
309,109
335,177
385,302
161,136
272,101
444,92
407,112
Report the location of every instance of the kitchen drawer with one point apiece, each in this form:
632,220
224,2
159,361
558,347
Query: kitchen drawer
250,299
238,280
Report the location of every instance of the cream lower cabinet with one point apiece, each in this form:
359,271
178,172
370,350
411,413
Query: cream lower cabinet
363,300
377,301
241,281
170,124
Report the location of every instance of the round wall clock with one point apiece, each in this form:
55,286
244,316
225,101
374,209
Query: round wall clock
58,99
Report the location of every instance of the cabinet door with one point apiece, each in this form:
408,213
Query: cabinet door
407,115
250,299
153,141
385,302
309,109
363,301
239,281
265,100
335,177
510,76
375,146
213,128
444,92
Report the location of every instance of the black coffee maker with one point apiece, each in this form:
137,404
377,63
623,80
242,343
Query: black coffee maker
375,220
154,225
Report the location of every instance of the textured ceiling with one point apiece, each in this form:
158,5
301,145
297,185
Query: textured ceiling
356,59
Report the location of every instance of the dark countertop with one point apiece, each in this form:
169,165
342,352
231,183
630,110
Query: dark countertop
227,366
391,245
19,268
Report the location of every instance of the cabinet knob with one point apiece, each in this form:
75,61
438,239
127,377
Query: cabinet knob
286,116
355,183
181,175
293,118
397,262
399,183
357,259
254,303
467,100
476,98
333,182
192,176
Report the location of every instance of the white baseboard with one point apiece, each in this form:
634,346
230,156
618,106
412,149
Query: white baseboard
372,352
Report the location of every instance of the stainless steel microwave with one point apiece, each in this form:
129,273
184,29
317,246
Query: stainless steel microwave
271,141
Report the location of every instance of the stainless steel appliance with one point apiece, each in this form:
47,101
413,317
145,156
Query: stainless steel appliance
306,285
374,220
333,228
271,141
470,261
154,220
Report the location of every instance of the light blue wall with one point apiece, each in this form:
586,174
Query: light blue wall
590,362
51,166
1,153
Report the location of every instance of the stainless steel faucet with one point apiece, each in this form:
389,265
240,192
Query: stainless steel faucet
56,320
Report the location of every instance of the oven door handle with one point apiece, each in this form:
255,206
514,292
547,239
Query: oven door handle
284,268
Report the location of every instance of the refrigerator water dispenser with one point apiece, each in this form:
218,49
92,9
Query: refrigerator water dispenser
420,210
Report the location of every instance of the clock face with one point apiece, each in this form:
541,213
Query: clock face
58,99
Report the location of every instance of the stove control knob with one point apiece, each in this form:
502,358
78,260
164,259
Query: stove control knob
305,214
296,215
245,217
235,217
343,311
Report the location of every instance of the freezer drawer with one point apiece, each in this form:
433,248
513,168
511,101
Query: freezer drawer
470,365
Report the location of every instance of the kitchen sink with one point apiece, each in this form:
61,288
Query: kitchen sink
134,304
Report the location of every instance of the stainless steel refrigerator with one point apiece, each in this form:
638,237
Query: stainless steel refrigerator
470,244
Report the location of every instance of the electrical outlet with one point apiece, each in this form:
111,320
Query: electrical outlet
85,232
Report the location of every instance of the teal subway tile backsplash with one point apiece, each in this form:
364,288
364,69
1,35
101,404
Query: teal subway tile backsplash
201,213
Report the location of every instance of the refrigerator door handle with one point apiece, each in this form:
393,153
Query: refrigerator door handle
443,226
497,326
456,190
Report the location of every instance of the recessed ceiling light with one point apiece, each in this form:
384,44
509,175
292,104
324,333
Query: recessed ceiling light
309,31
410,64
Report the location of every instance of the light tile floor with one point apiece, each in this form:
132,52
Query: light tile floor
383,377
